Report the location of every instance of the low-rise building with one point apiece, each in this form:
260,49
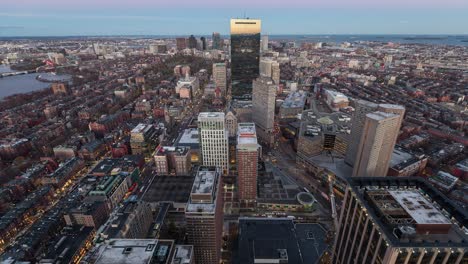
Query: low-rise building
175,160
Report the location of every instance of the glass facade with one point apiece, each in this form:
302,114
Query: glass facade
245,56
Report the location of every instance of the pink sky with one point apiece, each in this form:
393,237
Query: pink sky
239,3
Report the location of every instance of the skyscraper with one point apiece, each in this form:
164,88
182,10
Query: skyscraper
219,76
203,41
263,108
361,109
264,43
213,140
204,216
247,159
394,220
376,144
216,38
245,56
181,43
270,68
192,42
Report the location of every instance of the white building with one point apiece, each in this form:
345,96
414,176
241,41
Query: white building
213,140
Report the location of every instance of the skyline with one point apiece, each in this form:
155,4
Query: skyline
60,21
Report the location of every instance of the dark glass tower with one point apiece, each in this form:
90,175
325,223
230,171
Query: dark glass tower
245,56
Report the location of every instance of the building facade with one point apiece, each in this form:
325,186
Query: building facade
231,124
247,162
219,76
263,108
204,216
393,220
376,144
245,56
213,140
361,109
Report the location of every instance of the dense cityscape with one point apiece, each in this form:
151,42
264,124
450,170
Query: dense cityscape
240,148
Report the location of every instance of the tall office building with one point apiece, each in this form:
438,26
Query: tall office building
216,38
219,76
263,108
181,43
376,144
245,56
204,216
247,159
361,109
213,140
270,68
395,109
264,43
192,42
203,43
399,220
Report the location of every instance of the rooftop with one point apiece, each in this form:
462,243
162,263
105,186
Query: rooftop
211,115
183,254
302,243
379,116
169,189
188,138
410,212
125,251
204,182
418,207
246,133
295,100
204,191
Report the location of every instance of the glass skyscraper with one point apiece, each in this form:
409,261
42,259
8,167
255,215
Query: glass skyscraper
245,56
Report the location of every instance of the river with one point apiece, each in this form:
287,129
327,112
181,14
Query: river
24,83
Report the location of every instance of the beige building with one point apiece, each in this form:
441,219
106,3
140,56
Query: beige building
263,108
361,109
376,144
219,76
231,124
270,68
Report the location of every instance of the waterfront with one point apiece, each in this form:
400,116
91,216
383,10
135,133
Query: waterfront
24,83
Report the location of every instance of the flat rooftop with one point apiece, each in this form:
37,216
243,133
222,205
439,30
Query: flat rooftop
295,100
169,189
203,195
246,133
127,251
302,243
211,115
182,254
180,151
379,116
399,156
139,128
425,216
418,207
189,138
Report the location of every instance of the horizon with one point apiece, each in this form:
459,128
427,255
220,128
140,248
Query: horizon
365,18
227,35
